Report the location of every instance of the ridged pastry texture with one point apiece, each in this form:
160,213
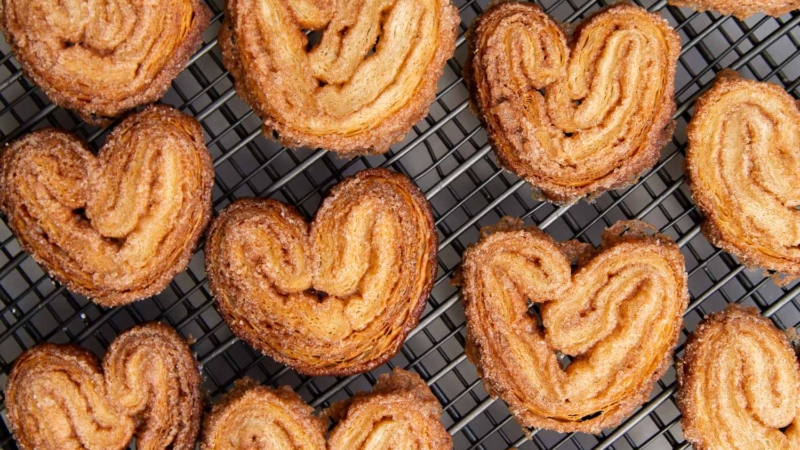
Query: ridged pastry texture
400,412
741,8
58,396
739,384
744,170
573,114
371,76
118,226
102,58
618,316
334,297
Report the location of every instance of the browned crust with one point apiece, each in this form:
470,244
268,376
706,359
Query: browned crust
98,110
32,239
628,170
789,270
624,233
249,389
741,8
687,367
375,140
252,335
87,362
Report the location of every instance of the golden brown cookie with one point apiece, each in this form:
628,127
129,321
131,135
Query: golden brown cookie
744,170
400,412
59,397
618,316
574,115
102,58
739,384
119,226
741,8
335,297
371,76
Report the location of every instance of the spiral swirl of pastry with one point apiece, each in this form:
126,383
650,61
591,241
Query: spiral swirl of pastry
116,227
334,298
400,412
372,75
102,58
739,384
573,115
744,171
741,8
258,417
618,315
59,398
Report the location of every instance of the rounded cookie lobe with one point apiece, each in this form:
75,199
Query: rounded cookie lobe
617,316
371,76
739,384
59,397
115,227
744,172
741,8
335,297
103,58
574,115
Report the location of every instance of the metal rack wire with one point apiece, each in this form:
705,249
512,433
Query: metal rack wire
448,157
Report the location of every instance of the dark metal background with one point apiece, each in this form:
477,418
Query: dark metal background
448,157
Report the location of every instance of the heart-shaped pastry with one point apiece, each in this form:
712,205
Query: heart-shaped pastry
739,384
741,8
371,76
618,316
102,58
58,397
119,226
743,166
574,115
335,298
400,412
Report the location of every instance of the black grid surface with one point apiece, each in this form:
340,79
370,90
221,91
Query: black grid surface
447,155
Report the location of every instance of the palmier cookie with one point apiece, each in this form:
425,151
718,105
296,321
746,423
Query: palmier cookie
334,297
741,8
617,315
115,227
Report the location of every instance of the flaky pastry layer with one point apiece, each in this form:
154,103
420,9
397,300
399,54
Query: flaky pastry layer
574,115
741,8
617,316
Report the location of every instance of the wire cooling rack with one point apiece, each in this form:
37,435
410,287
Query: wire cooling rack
448,157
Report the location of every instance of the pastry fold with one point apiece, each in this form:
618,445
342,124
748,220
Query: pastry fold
58,396
371,76
102,58
115,227
739,384
741,8
574,114
617,316
400,412
744,171
334,297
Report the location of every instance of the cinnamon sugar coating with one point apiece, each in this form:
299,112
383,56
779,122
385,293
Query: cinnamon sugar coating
400,412
59,397
574,115
335,297
338,95
103,58
115,227
739,384
618,315
741,8
744,170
